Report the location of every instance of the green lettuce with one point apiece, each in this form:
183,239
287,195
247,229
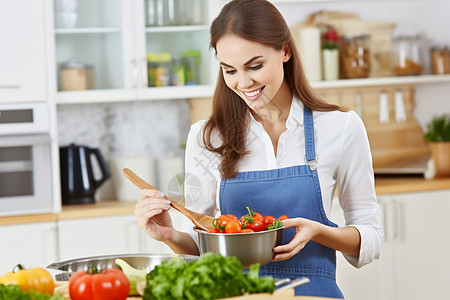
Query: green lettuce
212,276
14,292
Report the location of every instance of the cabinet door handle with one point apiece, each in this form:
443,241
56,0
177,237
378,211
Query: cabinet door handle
384,215
144,73
134,74
10,86
398,219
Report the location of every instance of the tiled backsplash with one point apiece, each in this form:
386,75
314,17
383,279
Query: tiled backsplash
134,128
153,129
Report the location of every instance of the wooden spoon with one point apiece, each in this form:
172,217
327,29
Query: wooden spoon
200,220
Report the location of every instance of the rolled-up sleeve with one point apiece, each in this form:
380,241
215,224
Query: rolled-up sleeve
356,191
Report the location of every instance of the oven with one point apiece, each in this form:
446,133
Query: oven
25,159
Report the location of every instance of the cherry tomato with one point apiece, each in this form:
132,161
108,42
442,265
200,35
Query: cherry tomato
283,217
215,230
231,216
246,230
268,220
251,216
225,219
233,227
256,226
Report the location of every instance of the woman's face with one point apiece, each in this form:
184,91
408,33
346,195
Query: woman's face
252,70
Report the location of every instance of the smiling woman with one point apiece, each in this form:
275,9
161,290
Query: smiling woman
273,145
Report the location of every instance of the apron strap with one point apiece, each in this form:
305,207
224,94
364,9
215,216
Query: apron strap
310,148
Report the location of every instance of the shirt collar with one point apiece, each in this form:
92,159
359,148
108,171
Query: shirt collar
295,117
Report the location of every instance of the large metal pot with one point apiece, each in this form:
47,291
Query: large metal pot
139,261
239,245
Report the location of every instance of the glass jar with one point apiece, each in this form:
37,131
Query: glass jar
159,69
354,57
407,56
161,12
191,61
440,60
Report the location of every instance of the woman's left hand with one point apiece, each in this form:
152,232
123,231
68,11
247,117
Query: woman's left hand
305,230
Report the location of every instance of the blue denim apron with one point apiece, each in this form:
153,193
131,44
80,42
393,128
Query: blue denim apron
295,192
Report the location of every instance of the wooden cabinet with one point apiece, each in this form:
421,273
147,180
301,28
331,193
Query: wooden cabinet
23,73
32,245
414,262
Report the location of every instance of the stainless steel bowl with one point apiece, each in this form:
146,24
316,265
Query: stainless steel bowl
249,248
139,261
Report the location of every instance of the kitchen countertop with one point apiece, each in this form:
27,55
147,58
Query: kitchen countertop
383,186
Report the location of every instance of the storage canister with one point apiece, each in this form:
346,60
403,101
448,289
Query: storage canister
354,57
407,56
159,68
440,60
191,61
75,76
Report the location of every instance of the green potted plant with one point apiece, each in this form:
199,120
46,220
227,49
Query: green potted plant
438,135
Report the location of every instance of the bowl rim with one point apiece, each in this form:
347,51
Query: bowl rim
60,264
201,231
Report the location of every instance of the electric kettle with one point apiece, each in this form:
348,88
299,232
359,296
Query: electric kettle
78,184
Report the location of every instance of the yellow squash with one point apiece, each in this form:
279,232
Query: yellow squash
36,279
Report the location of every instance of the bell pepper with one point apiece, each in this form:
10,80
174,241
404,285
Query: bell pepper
36,279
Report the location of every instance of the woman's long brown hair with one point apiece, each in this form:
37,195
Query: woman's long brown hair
258,21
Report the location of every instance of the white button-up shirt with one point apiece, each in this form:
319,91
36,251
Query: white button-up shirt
343,159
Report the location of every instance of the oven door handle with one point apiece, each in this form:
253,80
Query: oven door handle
24,140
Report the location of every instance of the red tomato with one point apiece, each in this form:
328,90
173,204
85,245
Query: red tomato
231,216
233,227
256,226
246,230
225,219
252,215
110,284
215,230
268,220
283,217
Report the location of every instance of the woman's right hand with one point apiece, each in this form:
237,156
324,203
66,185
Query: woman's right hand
152,212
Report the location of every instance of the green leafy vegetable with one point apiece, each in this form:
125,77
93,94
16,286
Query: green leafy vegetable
438,129
14,292
210,277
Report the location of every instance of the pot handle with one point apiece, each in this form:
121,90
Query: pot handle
103,167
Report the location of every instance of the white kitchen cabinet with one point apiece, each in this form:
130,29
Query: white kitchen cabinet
23,61
112,37
98,236
420,231
414,262
32,245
